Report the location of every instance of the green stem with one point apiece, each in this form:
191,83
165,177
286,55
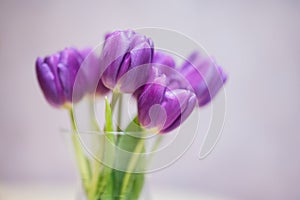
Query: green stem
82,161
97,166
95,180
157,143
131,166
155,147
119,117
103,173
114,99
93,120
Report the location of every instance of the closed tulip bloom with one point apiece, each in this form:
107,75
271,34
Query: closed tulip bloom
162,58
122,53
56,75
174,79
204,75
161,109
162,63
90,69
165,64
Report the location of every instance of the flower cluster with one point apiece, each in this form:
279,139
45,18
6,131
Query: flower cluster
166,93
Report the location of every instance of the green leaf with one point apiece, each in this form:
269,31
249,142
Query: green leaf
136,186
109,189
125,181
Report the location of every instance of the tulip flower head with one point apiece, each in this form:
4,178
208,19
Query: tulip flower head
162,63
56,75
162,109
90,70
164,59
204,75
126,53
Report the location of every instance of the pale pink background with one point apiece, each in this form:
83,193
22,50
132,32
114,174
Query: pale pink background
257,42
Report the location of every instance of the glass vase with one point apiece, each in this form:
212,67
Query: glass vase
112,166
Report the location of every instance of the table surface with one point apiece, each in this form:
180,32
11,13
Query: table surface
68,192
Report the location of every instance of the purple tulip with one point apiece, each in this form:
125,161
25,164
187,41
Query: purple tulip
125,60
162,63
56,75
163,109
90,69
163,59
205,77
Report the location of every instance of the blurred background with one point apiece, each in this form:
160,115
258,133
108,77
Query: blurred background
258,44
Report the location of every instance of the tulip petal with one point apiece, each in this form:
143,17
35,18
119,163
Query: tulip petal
187,108
47,83
123,51
163,59
205,77
152,95
68,67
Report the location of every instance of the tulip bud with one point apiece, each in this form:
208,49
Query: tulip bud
90,69
205,77
56,75
122,53
163,109
164,59
162,63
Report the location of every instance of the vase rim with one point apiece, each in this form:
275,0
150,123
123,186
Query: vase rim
87,132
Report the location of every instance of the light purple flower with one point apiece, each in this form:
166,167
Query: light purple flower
56,75
163,59
90,70
204,75
162,63
163,109
125,60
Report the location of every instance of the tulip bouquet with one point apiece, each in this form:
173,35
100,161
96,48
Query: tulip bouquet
165,94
